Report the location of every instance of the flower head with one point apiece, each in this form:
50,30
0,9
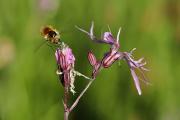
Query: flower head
113,55
107,37
65,58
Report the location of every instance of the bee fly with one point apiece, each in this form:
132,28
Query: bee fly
51,34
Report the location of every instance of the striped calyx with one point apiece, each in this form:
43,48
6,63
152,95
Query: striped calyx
92,58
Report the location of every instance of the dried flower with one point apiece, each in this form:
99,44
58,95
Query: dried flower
113,55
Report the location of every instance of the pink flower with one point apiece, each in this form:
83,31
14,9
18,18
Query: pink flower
113,55
65,61
65,58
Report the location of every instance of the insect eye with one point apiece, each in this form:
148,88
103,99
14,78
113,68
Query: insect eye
52,34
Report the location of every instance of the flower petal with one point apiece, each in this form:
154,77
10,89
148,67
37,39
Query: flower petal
108,38
118,34
136,81
57,55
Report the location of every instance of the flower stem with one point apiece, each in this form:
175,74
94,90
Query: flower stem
66,115
66,110
66,93
80,95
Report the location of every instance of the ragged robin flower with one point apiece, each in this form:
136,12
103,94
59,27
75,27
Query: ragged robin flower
65,61
113,55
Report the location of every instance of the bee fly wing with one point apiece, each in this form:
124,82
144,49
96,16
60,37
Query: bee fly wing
53,48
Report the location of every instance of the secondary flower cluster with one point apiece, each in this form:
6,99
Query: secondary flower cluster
114,55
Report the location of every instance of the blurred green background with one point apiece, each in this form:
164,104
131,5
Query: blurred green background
29,87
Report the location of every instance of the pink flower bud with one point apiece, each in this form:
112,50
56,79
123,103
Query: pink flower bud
92,58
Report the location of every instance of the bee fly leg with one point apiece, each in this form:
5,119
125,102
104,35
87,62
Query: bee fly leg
51,46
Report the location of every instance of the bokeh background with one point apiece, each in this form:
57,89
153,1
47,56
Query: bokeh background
30,89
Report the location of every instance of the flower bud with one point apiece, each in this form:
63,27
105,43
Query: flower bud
92,58
96,69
